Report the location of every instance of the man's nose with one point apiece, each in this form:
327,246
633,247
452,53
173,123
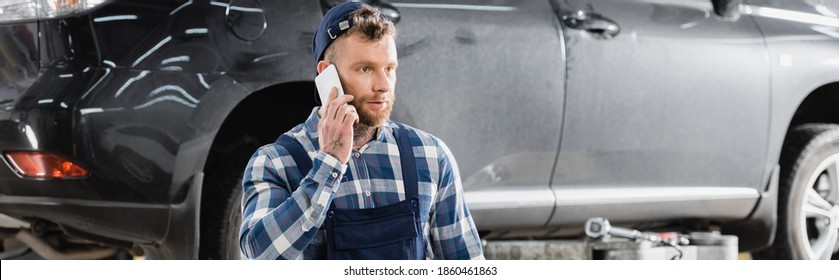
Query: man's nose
381,81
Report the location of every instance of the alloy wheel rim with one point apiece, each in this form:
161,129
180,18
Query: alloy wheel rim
818,222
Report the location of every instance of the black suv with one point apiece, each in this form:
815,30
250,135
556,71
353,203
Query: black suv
126,125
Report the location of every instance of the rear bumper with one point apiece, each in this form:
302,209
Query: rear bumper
163,231
129,222
90,207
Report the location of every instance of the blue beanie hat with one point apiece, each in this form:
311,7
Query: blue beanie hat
335,22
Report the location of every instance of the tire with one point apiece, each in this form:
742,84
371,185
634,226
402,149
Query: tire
221,207
808,202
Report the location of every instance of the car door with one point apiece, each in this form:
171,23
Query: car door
487,77
667,112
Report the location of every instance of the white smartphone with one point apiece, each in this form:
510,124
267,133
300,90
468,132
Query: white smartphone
326,80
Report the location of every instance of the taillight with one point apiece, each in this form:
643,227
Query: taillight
11,10
36,164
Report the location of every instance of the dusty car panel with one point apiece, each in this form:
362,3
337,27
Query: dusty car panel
485,58
649,121
795,67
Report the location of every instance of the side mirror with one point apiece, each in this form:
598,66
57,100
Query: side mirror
727,9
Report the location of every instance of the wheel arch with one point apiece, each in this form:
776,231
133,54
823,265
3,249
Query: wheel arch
262,115
229,109
820,106
815,107
256,120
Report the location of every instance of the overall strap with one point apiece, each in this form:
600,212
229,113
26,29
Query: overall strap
409,164
298,153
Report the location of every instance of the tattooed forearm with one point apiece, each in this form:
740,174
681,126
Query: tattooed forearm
337,143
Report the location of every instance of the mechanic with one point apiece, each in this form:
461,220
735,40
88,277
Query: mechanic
349,183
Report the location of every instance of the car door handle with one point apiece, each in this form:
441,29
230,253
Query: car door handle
592,23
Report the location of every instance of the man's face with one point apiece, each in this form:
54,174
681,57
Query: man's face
368,72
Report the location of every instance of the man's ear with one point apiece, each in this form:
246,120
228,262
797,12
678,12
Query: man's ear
322,65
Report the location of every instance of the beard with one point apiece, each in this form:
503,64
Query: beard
370,118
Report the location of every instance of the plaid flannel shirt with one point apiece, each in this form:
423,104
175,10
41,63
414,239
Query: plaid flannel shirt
279,224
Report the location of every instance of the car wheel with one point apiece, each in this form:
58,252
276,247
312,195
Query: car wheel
233,213
221,208
808,209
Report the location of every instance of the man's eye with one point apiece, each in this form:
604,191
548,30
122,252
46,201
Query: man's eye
364,69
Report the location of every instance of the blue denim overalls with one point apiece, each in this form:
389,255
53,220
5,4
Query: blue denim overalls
390,232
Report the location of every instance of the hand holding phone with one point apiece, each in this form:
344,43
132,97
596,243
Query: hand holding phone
325,81
335,128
